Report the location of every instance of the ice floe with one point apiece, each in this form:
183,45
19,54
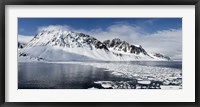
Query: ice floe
146,76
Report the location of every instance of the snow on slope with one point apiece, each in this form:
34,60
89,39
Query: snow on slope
60,45
24,39
123,47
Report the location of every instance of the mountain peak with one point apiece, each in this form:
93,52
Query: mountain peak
118,45
159,55
58,43
66,39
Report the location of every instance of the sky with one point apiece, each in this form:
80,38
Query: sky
162,35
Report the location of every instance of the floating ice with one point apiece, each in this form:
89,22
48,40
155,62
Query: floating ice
168,76
144,82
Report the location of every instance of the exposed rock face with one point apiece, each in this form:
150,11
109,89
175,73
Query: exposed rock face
21,45
123,46
161,56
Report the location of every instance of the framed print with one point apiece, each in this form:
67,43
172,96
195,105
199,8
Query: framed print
100,53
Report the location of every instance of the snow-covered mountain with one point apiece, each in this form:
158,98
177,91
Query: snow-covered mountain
23,40
119,46
158,55
61,45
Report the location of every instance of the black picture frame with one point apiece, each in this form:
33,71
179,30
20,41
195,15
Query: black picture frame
98,2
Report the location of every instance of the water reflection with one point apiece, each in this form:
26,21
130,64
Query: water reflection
59,76
35,75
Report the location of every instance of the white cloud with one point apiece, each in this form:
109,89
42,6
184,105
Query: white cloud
24,39
54,27
167,42
124,32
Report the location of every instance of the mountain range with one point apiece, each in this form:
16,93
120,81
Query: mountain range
62,45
